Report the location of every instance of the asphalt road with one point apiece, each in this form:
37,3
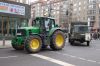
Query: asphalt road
79,55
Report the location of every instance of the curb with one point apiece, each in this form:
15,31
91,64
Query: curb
4,47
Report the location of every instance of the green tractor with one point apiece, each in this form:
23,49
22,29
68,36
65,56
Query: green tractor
44,32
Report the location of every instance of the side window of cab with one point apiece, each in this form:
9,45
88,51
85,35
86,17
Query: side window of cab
52,23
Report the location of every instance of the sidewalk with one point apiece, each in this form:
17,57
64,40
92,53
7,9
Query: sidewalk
7,44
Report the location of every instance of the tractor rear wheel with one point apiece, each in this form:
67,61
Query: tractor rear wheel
33,44
57,40
18,47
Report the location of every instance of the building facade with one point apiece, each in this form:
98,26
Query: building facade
12,16
79,11
51,8
86,10
20,1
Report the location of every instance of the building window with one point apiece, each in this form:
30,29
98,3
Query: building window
9,23
80,3
92,0
75,9
91,12
99,18
85,2
92,18
99,21
79,8
92,23
75,5
84,7
99,11
99,5
21,1
92,6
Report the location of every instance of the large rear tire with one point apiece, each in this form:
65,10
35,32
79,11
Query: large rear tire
33,44
57,40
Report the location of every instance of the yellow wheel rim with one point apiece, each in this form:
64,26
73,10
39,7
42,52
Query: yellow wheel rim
59,40
34,44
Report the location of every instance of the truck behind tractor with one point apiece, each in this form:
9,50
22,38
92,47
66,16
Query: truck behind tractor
79,32
44,32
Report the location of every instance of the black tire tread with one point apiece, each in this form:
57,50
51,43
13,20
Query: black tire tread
27,42
18,47
53,45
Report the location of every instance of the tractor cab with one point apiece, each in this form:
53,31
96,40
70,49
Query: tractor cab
46,24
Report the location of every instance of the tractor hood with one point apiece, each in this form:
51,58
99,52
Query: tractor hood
31,29
28,28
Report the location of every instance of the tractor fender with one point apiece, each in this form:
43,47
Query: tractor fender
32,35
36,34
53,30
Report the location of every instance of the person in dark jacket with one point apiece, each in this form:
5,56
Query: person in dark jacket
95,35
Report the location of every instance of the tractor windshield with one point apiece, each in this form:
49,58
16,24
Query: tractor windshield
36,22
46,23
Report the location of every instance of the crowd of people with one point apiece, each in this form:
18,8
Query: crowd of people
96,35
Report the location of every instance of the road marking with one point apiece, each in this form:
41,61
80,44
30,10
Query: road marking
52,60
8,57
79,58
97,49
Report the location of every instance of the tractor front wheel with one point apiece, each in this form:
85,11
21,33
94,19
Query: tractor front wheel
57,40
18,47
33,44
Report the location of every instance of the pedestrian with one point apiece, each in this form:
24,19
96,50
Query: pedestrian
95,35
99,35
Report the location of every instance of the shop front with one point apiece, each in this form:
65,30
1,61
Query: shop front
12,16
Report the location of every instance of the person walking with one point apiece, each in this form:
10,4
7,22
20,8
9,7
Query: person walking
99,35
95,35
